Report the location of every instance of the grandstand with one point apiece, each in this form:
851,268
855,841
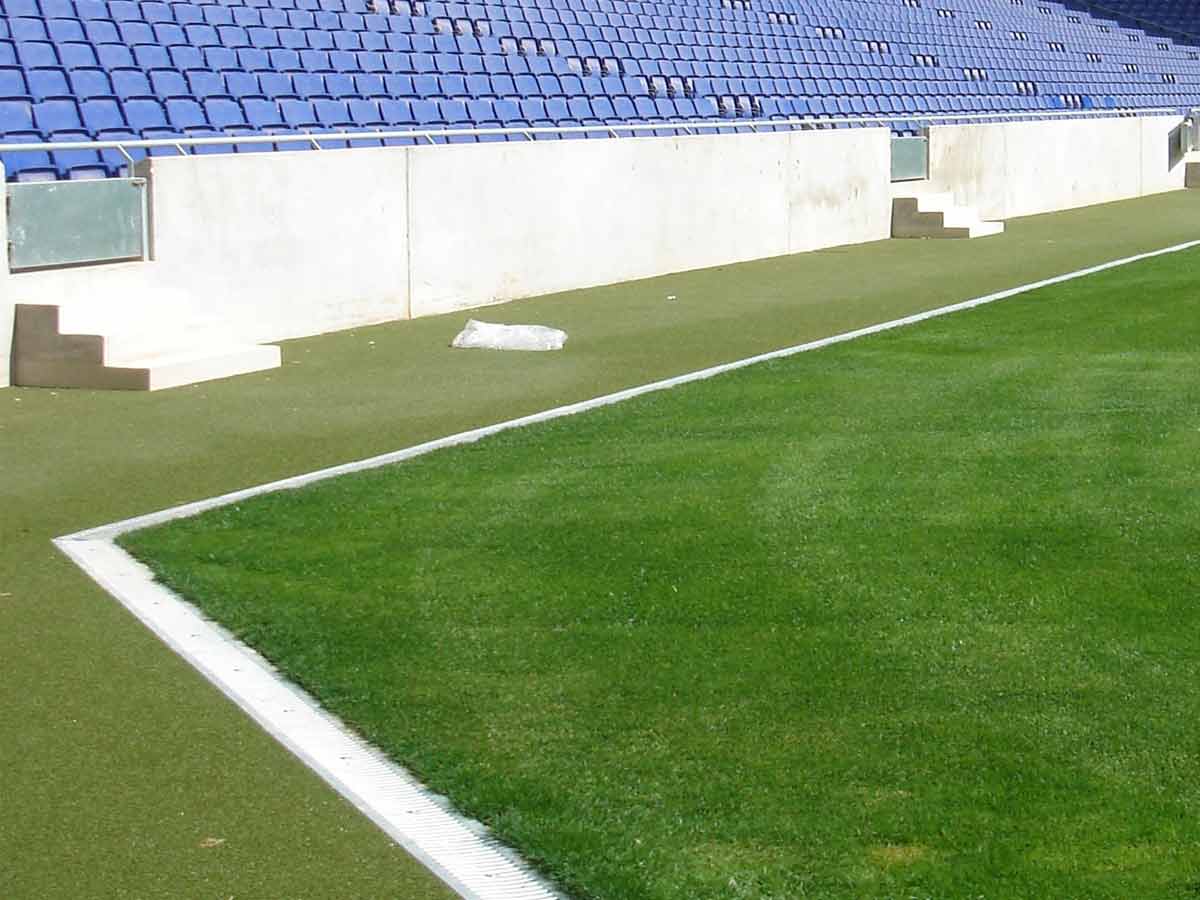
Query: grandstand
77,70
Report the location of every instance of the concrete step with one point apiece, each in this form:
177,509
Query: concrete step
129,347
930,202
928,215
986,229
44,356
177,369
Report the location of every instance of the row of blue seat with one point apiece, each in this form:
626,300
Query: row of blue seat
104,119
85,84
111,9
467,36
118,55
573,69
669,30
113,56
126,84
899,19
278,14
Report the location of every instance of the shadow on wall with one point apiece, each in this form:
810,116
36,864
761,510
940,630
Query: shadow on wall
1177,144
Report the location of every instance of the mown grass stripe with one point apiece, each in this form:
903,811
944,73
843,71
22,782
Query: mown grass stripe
372,801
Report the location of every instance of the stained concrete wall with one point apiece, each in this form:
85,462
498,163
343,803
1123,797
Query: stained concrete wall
271,246
6,294
492,222
1023,168
259,246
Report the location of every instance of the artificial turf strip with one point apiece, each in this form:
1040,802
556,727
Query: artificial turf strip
118,761
909,616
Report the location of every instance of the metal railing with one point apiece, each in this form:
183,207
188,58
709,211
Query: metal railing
315,139
55,223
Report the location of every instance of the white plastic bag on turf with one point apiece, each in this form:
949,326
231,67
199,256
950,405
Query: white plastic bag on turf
488,336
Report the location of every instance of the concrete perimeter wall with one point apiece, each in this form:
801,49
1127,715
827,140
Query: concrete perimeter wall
259,246
494,222
1024,168
6,293
267,246
275,245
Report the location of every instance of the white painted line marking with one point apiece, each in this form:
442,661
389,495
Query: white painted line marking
457,849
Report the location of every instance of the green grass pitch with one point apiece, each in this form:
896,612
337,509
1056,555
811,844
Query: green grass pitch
911,616
120,761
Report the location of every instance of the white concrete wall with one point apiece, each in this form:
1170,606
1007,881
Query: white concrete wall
6,294
276,245
1023,168
255,246
492,222
271,246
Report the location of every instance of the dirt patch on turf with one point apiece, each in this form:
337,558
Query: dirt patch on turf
892,855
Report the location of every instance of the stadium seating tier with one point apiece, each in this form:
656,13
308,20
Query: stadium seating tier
78,70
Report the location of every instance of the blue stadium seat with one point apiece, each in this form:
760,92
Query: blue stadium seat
333,114
156,11
185,115
168,83
130,83
253,60
77,55
239,84
57,115
262,115
307,85
60,31
16,115
34,54
145,114
370,84
47,83
365,113
275,85
319,40
12,84
186,13
76,164
148,57
224,113
169,34
203,83
27,165
292,38
340,84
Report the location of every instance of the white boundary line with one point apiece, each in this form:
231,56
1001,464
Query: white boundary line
457,849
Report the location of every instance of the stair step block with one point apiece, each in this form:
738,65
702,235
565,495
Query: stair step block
936,216
43,356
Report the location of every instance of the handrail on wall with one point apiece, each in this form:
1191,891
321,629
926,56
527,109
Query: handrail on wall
693,126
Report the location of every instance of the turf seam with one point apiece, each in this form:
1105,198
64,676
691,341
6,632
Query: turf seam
456,849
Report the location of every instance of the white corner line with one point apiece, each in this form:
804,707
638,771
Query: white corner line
458,850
